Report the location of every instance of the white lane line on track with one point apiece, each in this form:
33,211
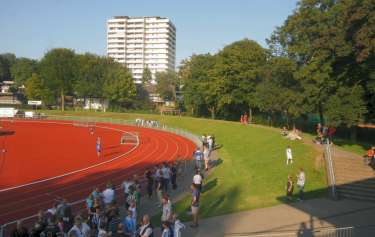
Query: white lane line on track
116,187
75,171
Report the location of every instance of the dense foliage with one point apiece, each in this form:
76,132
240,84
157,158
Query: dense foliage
320,61
62,72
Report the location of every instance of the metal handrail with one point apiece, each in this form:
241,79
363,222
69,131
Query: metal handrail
327,232
330,169
177,131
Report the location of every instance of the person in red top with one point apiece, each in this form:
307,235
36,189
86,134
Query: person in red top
369,156
241,119
245,119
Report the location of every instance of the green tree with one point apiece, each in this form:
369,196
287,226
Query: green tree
6,62
22,70
238,71
34,88
57,69
146,76
119,86
196,76
332,45
346,107
90,76
166,84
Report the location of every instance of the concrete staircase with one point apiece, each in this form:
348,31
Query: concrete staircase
354,179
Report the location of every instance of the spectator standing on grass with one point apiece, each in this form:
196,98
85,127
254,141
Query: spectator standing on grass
19,231
150,183
198,157
301,184
210,143
289,156
197,180
108,194
146,229
289,188
194,205
206,157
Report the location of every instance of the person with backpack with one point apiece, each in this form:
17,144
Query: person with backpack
146,229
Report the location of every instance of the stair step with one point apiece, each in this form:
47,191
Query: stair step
370,184
358,189
356,197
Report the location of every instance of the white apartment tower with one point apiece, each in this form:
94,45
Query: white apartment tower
140,42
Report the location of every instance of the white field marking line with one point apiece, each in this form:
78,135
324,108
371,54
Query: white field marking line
132,172
75,171
118,187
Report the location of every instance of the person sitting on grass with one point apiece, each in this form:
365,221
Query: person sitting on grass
284,131
295,134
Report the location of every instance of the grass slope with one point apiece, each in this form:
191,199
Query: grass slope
253,172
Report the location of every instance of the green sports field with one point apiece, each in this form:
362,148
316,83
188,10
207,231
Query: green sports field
252,172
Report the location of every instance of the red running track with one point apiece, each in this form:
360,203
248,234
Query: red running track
40,150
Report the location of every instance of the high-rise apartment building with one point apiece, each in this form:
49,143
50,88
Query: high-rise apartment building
140,42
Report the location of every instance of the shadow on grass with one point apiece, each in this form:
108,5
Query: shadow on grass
210,185
217,147
215,163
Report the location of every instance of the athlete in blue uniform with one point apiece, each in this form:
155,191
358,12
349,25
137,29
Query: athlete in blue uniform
98,146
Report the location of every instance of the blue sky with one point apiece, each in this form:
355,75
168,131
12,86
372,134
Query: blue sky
29,28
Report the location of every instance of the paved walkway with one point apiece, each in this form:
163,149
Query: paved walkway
299,218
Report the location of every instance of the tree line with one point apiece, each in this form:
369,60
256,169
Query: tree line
320,61
61,73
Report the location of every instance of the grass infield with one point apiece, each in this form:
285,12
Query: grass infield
253,171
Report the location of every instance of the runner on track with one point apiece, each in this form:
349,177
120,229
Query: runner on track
98,146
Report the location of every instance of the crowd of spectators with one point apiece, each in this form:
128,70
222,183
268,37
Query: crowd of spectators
115,211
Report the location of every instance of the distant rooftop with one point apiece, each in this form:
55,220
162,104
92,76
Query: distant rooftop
132,17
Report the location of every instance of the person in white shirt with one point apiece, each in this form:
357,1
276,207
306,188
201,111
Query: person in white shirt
126,187
206,157
108,195
178,227
198,157
289,157
210,143
80,228
133,209
301,183
166,210
197,179
146,228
